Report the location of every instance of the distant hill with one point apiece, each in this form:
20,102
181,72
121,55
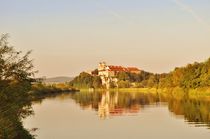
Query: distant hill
60,79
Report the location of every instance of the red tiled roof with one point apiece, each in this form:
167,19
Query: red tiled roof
133,69
120,68
116,68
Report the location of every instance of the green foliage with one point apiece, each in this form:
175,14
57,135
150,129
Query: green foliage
152,81
96,83
165,81
85,80
133,77
194,76
95,72
124,84
112,85
40,90
123,76
15,83
143,79
13,66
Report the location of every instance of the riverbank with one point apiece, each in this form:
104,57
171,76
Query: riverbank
40,91
119,90
176,91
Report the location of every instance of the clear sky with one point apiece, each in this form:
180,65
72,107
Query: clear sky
69,36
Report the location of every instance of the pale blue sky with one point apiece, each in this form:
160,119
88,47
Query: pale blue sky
69,36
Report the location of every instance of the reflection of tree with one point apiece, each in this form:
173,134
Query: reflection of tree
108,106
114,103
87,99
194,110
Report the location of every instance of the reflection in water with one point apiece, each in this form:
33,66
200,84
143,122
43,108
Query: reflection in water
104,105
195,111
156,116
108,104
114,103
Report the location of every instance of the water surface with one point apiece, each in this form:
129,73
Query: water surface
102,115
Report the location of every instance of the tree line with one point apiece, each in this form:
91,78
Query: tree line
196,75
86,80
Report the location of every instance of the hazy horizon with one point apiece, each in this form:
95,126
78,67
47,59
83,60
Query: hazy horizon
69,36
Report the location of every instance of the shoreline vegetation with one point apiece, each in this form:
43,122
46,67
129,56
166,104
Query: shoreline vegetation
18,89
40,91
16,72
192,79
199,92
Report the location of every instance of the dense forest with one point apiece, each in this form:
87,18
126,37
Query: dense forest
196,75
192,76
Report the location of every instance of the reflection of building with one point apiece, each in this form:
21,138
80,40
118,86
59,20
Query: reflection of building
109,106
108,72
103,107
117,111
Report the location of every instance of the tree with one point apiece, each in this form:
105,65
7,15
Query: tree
97,83
152,81
123,84
123,76
16,72
85,80
95,72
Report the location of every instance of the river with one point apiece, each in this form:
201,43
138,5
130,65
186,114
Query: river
119,115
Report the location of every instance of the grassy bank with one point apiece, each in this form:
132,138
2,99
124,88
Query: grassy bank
143,90
39,91
200,93
176,91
